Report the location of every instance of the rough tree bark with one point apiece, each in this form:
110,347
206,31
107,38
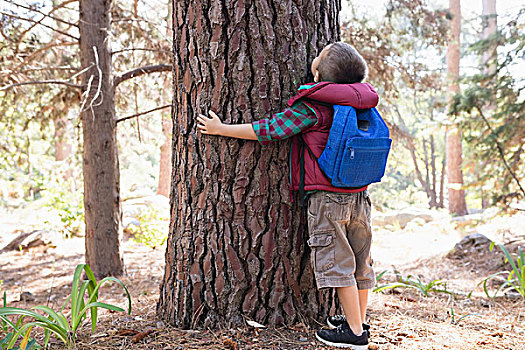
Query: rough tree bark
237,245
456,194
100,157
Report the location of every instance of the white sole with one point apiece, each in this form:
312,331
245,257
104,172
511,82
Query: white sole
329,324
339,345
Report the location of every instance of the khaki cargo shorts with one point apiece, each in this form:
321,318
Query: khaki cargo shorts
340,239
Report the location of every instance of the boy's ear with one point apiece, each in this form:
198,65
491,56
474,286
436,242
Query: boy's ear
316,78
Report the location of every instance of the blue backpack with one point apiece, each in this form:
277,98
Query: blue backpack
357,148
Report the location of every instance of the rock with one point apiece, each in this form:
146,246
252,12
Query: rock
402,218
27,296
31,239
468,220
475,240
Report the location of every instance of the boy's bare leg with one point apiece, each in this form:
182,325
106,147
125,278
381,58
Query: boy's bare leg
363,303
350,300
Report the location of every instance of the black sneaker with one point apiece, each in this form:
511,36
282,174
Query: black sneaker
343,337
334,321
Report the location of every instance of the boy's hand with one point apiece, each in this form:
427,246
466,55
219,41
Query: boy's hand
209,126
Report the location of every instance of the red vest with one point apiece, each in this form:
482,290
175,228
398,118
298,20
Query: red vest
321,97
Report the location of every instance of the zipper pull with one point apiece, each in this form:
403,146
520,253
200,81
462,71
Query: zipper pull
351,153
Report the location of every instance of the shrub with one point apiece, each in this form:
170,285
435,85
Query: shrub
153,228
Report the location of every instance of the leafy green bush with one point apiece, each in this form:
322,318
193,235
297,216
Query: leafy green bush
515,279
55,322
153,228
68,205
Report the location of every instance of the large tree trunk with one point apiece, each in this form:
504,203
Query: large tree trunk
456,194
100,157
237,245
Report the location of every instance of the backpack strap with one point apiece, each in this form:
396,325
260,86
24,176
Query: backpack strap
302,194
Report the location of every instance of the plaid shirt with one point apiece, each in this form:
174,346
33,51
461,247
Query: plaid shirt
285,124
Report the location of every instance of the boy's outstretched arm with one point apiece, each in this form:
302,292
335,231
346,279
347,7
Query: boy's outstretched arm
214,126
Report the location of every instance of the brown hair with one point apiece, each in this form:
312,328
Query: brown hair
342,64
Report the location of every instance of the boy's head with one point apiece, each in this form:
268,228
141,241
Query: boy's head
339,63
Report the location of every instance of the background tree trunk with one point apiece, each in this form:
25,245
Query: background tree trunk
62,146
237,245
100,157
489,19
163,187
456,194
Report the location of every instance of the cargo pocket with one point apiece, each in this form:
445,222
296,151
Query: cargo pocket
323,251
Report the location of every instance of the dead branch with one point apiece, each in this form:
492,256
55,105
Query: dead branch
62,5
141,71
37,51
37,69
37,82
142,113
39,22
140,49
43,13
87,93
500,149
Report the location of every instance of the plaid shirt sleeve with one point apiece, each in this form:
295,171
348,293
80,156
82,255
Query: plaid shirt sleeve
285,124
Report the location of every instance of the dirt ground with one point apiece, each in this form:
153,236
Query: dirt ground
400,319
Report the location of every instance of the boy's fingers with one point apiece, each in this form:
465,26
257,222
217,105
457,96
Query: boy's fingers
202,127
212,113
202,122
202,117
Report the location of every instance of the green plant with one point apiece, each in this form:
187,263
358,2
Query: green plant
153,228
27,343
68,206
414,282
515,279
453,315
55,322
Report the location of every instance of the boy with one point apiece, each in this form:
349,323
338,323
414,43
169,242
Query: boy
338,218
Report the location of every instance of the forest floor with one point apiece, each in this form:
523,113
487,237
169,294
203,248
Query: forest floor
400,318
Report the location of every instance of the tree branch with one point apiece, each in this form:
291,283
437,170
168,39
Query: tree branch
37,51
500,149
142,113
60,82
62,5
44,14
37,69
140,49
38,22
141,71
